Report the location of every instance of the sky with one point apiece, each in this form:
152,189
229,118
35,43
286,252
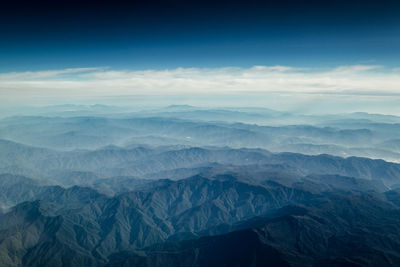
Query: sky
108,48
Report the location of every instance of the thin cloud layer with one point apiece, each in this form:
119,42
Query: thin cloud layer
77,82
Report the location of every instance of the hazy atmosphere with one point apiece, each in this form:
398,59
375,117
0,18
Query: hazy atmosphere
199,133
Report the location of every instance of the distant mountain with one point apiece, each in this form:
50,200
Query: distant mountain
96,185
15,189
84,167
341,135
392,144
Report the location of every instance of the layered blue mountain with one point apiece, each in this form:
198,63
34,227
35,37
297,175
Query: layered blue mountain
188,186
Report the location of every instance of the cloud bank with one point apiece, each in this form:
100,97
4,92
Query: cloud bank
87,82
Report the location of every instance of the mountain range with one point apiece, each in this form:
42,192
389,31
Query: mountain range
178,188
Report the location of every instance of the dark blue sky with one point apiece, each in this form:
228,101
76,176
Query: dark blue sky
39,35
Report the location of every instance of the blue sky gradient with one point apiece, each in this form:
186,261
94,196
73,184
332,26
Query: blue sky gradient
43,35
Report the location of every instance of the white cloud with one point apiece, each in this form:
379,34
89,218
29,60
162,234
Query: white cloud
356,68
33,75
356,79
